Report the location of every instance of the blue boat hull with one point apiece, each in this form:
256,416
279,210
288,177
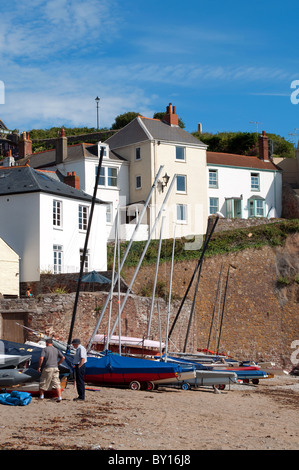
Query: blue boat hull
115,370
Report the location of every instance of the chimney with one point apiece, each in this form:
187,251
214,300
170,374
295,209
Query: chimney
61,147
72,180
9,159
171,117
263,147
25,145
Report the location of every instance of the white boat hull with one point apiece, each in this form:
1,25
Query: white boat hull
204,378
181,377
12,360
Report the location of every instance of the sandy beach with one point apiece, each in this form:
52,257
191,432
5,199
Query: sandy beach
241,417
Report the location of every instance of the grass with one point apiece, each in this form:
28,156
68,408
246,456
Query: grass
272,234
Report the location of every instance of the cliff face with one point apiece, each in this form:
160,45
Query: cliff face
260,314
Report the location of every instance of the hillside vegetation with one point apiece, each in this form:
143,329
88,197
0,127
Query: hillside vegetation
273,234
242,143
246,143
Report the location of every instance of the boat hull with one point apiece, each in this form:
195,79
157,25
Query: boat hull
205,378
181,377
11,377
129,345
33,389
115,370
13,360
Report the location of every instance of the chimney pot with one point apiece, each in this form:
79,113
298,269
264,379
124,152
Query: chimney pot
61,147
25,145
263,147
171,117
72,180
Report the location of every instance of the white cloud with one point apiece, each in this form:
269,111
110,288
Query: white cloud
55,26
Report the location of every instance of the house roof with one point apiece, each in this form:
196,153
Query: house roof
143,129
75,152
245,161
2,125
24,179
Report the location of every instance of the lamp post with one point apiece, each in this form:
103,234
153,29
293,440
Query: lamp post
164,181
97,101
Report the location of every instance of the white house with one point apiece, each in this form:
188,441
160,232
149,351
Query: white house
81,161
45,222
9,270
243,186
150,143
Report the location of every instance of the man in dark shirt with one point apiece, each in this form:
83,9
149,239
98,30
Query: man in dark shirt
51,358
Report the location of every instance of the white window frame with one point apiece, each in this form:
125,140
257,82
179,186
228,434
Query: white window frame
256,207
178,149
87,260
213,178
213,205
57,259
255,181
107,177
109,213
83,214
181,213
182,178
57,213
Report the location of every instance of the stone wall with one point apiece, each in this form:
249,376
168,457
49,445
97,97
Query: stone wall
51,314
261,315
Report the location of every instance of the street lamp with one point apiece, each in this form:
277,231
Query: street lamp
164,181
97,101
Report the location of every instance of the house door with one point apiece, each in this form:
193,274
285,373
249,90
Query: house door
11,331
237,208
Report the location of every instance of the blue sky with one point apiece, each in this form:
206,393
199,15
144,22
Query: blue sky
226,64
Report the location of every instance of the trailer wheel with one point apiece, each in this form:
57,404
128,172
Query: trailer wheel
185,386
220,386
135,385
150,386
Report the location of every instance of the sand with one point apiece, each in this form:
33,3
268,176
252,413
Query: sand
242,417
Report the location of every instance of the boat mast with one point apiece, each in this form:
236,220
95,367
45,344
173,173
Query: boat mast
223,306
124,257
145,249
112,280
85,247
207,239
155,280
214,309
169,295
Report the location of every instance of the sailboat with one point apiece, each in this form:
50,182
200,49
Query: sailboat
22,375
129,345
113,369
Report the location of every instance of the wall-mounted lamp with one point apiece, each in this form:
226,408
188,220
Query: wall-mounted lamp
164,181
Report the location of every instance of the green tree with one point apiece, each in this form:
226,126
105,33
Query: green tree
245,143
123,119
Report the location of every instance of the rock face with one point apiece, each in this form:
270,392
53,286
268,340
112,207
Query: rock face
260,314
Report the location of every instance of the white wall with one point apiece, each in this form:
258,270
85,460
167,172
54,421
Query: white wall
86,170
70,237
235,182
9,270
27,226
19,215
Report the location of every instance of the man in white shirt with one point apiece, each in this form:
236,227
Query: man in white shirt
79,361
